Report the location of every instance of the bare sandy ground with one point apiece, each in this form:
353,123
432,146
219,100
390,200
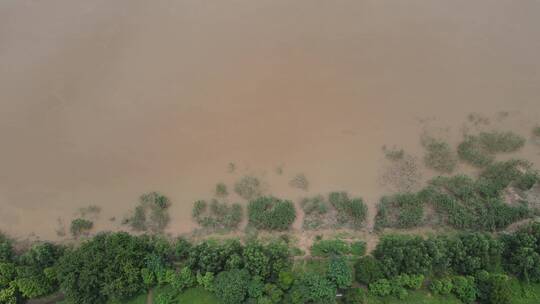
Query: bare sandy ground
101,101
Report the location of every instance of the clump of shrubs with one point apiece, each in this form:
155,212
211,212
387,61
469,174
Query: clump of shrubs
80,227
479,150
400,211
216,215
393,153
271,213
439,155
151,213
351,212
248,187
397,286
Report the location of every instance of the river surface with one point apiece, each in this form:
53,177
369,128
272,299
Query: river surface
103,100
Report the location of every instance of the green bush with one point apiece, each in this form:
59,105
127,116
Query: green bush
464,288
80,226
350,212
339,272
271,213
358,248
221,190
439,156
442,287
312,288
368,270
248,187
231,286
355,296
380,288
315,212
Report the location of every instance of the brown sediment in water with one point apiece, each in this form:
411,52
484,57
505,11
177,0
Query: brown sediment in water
101,101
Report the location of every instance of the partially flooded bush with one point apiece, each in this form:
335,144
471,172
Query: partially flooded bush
400,211
350,212
393,153
536,131
315,210
439,156
80,226
221,190
300,181
479,150
271,213
216,215
151,213
248,187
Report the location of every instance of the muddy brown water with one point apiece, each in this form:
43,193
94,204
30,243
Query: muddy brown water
101,101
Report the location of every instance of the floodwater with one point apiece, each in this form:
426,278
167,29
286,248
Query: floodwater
103,100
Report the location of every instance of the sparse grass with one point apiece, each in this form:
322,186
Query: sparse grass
439,155
300,181
221,190
248,187
216,215
479,150
80,227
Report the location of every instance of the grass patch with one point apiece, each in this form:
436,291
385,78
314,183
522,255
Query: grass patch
216,215
479,150
439,155
327,248
248,187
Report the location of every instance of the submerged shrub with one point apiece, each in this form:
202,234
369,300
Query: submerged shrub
439,155
479,150
154,204
80,226
221,190
271,213
217,215
248,187
350,212
300,181
400,211
315,212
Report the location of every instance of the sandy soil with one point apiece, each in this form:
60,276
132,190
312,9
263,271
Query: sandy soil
101,101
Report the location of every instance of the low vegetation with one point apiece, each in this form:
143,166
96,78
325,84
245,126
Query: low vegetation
300,181
351,212
480,150
400,211
221,190
271,213
316,211
217,215
327,248
336,211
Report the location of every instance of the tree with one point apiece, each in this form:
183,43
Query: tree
312,288
465,289
355,296
231,286
339,272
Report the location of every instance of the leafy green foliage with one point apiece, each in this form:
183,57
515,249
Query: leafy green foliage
6,249
442,287
248,187
80,226
464,288
381,287
351,212
217,216
439,155
312,288
326,248
355,296
400,211
271,213
232,286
